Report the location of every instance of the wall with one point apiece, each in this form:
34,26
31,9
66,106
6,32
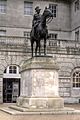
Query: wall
75,20
15,22
6,59
67,63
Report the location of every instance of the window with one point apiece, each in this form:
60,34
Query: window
2,32
13,69
53,36
77,35
28,8
53,8
5,71
3,5
76,79
27,34
76,5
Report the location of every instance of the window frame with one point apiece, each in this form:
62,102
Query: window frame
76,80
3,6
77,35
53,8
28,10
12,69
77,5
2,33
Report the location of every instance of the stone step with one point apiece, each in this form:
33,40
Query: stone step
14,110
10,111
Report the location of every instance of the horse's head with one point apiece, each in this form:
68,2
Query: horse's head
47,13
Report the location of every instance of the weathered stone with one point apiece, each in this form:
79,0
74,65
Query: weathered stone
64,25
39,84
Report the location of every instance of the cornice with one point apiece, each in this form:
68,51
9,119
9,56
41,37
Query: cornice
65,1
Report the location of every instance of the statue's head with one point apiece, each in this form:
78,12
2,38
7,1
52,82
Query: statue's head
37,9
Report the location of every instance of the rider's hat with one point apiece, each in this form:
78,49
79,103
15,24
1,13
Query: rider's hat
37,8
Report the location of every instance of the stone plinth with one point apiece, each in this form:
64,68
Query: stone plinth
39,84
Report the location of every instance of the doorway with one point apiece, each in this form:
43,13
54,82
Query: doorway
11,89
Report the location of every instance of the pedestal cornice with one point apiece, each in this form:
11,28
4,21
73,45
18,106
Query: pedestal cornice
43,62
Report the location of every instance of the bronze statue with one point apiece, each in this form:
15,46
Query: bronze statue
39,29
36,19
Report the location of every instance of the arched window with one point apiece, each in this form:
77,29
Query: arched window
12,69
5,71
76,79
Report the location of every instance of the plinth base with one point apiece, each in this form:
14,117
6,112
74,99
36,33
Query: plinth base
16,110
38,102
39,85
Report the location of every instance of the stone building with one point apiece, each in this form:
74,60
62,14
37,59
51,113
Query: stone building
63,45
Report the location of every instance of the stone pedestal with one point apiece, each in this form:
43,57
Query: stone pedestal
39,84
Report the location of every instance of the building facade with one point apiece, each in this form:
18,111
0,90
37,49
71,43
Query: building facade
64,44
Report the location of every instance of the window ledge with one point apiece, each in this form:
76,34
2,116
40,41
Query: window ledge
76,88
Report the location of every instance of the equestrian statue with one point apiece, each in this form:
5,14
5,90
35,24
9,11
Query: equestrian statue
39,29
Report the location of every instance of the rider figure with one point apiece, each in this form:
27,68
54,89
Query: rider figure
36,19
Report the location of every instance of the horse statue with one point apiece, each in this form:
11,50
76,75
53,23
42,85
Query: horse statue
41,31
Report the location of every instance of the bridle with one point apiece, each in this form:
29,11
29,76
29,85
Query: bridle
49,20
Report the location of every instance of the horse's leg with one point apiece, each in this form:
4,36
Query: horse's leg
44,46
39,48
32,47
36,48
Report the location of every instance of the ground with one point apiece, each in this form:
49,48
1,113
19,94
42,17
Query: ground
5,116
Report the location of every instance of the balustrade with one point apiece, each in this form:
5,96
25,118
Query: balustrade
55,45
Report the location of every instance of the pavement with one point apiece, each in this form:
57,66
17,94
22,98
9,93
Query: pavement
6,116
